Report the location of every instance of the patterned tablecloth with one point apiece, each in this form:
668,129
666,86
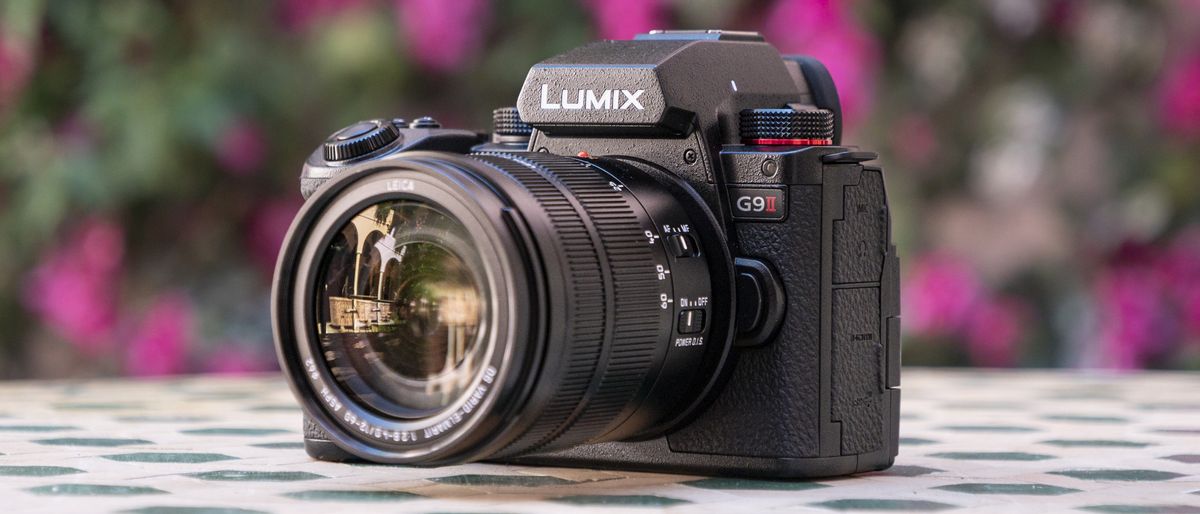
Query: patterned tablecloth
994,441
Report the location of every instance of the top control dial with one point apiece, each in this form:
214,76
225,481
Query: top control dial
506,121
787,126
360,139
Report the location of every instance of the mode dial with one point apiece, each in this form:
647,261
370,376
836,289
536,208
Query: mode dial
360,139
787,127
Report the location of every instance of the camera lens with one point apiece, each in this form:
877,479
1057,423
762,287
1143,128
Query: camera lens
435,308
401,308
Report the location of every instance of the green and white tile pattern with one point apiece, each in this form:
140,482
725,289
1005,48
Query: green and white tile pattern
971,440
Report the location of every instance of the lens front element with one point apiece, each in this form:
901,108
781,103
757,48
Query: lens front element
400,308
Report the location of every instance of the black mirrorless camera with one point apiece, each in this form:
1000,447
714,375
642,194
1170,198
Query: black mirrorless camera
661,259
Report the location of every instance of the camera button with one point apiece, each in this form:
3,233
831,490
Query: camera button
356,130
691,321
682,245
761,302
749,301
424,122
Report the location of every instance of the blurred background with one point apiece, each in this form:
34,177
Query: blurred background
1043,159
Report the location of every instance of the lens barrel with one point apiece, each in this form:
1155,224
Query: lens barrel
604,312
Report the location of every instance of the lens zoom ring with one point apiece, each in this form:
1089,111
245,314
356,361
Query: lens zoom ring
586,333
634,288
636,315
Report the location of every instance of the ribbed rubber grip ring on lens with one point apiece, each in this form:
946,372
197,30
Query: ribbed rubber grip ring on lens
614,302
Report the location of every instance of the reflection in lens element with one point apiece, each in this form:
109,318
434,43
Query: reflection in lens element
401,308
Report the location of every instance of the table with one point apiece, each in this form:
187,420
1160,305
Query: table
1000,441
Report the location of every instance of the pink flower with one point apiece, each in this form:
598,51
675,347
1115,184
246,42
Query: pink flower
623,19
233,358
267,226
1179,271
939,294
1062,14
16,66
302,14
241,147
1179,95
1189,307
73,290
1132,316
994,329
826,30
942,297
442,34
160,342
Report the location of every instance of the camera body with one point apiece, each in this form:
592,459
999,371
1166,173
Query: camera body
809,384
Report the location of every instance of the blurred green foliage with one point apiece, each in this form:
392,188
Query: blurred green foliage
1042,158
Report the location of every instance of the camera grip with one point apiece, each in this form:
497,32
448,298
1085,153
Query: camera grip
824,387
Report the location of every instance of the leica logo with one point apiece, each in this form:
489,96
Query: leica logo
590,99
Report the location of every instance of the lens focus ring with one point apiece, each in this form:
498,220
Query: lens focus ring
614,293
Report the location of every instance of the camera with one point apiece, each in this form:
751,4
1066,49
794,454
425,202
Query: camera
660,259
